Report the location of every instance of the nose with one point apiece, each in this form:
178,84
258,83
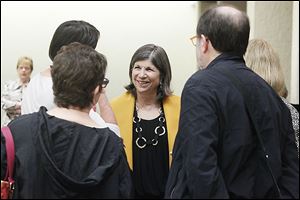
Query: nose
143,73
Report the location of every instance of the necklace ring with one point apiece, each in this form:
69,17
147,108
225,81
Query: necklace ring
141,146
163,130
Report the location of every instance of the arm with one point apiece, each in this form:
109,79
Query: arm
6,101
289,181
14,111
10,99
106,111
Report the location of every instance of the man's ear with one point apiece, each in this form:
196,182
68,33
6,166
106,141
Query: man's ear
203,43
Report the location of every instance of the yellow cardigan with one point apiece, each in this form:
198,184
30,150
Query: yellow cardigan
123,107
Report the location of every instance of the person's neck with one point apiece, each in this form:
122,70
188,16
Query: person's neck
74,114
147,107
83,112
24,82
211,55
147,102
214,55
70,112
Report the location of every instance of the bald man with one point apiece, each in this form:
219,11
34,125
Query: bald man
217,153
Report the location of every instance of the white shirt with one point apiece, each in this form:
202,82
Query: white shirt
39,93
11,96
99,120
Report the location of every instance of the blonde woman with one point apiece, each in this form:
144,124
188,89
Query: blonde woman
263,60
13,90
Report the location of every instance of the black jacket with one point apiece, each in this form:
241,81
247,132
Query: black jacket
216,152
55,158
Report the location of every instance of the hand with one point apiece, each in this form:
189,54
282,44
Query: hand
103,100
13,111
105,108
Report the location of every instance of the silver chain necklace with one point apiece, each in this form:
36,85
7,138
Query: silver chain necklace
160,130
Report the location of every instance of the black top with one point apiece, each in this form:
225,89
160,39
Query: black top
59,159
151,163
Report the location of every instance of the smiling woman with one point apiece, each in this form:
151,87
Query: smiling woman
148,117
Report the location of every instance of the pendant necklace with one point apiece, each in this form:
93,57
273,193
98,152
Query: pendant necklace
141,142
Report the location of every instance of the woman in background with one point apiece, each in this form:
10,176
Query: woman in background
13,90
263,60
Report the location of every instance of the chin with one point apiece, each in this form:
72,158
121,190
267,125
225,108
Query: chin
141,90
199,67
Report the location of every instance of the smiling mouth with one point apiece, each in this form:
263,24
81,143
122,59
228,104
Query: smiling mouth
143,83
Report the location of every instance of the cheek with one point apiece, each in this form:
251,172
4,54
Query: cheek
198,55
197,52
156,80
133,75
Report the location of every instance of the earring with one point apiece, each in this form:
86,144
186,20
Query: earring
161,86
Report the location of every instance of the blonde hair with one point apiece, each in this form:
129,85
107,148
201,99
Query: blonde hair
23,58
263,60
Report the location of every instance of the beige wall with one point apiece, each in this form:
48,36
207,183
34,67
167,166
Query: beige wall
294,90
278,23
27,29
273,21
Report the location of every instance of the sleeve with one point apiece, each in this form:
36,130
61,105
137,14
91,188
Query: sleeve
198,141
115,128
3,157
98,119
295,121
27,104
289,181
5,97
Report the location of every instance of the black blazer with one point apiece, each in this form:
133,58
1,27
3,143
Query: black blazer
216,153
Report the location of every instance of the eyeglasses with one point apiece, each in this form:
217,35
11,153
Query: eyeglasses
105,82
194,40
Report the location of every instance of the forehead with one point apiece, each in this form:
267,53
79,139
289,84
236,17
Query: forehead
144,63
24,63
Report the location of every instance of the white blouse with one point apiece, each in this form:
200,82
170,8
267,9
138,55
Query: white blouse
11,96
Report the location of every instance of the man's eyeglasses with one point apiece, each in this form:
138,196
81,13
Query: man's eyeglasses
105,82
194,40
